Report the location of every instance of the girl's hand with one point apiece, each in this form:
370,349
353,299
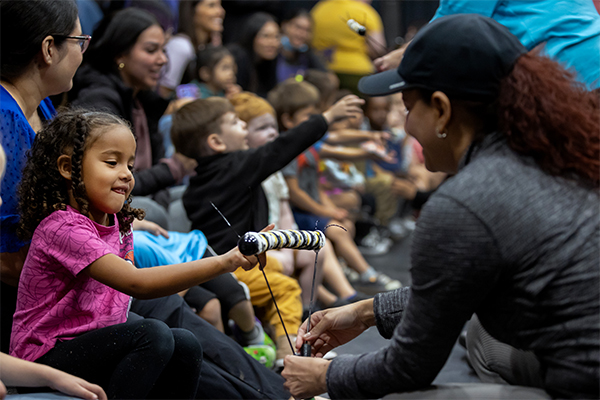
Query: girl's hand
234,259
74,386
346,107
305,377
151,227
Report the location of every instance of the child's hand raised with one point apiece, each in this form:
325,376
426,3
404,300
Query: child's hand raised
346,107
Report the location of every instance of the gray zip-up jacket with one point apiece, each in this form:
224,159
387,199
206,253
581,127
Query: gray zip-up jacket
509,242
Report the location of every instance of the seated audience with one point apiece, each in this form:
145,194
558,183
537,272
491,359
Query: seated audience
512,236
262,128
294,103
229,177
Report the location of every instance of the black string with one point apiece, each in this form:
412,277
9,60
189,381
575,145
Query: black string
287,335
312,292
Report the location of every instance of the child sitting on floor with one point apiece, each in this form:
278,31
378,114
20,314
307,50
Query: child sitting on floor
229,176
294,103
262,129
75,287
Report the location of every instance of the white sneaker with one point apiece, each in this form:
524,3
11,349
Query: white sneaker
374,244
387,282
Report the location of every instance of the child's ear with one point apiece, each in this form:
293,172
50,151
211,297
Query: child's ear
287,121
204,73
64,166
215,143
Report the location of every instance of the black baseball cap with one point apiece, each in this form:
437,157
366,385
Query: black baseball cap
464,55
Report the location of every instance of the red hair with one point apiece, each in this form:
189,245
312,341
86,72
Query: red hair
547,115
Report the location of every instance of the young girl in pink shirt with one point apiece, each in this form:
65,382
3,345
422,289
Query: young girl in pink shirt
75,288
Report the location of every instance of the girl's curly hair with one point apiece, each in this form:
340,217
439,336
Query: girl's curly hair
43,190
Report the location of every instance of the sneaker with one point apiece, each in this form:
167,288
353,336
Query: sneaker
377,284
259,335
351,274
401,227
262,353
358,296
388,283
373,244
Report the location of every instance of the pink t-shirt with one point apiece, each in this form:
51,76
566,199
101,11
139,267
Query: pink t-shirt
56,302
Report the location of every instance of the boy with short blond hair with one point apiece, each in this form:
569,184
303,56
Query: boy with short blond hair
229,175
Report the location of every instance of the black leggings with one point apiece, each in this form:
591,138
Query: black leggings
134,360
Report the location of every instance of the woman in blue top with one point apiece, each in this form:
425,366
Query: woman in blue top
42,46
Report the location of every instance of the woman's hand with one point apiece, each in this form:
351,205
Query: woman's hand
305,377
335,326
151,227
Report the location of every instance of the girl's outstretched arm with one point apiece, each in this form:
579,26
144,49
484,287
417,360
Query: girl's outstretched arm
148,283
17,372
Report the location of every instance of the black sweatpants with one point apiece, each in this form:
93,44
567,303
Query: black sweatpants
141,358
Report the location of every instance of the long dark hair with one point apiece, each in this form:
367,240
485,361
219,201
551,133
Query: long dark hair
187,10
259,76
251,28
43,190
24,26
115,36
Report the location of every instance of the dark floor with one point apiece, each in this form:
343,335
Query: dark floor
396,264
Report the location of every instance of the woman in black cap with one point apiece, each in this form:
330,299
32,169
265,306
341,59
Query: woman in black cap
512,237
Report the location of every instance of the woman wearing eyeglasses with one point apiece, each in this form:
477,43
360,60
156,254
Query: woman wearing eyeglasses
42,47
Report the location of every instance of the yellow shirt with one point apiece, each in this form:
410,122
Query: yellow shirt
345,50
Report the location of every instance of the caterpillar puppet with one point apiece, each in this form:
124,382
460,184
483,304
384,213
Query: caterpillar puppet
253,243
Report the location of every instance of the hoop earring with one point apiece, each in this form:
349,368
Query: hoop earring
121,66
441,135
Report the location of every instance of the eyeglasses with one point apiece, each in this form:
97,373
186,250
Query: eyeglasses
83,40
